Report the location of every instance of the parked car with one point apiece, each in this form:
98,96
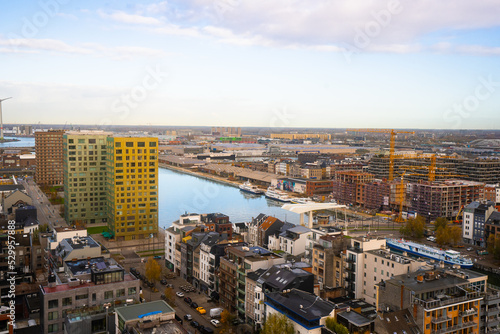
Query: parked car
151,284
206,330
194,324
194,305
157,257
201,310
470,249
188,317
179,294
215,322
178,318
188,300
163,282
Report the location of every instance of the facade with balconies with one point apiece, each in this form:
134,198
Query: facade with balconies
441,300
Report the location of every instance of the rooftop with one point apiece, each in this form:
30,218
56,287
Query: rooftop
83,284
302,304
354,318
133,312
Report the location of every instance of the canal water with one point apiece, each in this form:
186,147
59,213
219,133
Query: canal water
181,193
22,142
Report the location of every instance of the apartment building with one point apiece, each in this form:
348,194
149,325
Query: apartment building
306,311
49,157
261,227
355,262
440,300
80,299
301,136
348,186
380,265
85,175
492,226
475,216
132,182
443,198
233,270
293,240
278,278
328,260
173,236
492,193
481,170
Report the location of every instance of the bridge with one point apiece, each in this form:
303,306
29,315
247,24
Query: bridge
310,207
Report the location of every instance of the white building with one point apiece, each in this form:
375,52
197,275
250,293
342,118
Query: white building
355,263
381,264
173,236
294,240
474,217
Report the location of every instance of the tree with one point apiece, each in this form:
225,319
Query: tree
169,296
277,324
153,270
334,326
43,228
455,234
443,236
413,228
440,222
226,320
490,244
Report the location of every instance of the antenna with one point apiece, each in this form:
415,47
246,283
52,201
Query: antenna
1,118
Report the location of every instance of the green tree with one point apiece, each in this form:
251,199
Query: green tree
169,296
440,222
496,251
277,324
334,326
153,270
43,228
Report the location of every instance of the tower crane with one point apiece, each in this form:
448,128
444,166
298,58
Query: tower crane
393,134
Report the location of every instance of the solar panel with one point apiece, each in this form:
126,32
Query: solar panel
101,265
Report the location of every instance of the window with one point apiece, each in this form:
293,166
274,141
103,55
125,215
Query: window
53,303
53,328
53,315
108,294
80,297
120,293
66,301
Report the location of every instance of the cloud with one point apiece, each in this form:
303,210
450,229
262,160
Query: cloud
32,45
122,17
326,24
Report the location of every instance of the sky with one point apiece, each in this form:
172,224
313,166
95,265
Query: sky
267,63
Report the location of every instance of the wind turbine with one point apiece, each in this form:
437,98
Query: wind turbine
1,118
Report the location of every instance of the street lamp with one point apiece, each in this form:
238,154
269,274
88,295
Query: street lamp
1,118
107,305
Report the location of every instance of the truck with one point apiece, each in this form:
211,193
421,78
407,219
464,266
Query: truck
215,312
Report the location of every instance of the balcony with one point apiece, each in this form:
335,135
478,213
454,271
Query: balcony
211,278
469,312
355,249
493,311
350,278
211,262
351,259
440,319
211,270
455,328
350,267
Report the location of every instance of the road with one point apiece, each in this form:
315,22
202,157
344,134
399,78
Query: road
46,213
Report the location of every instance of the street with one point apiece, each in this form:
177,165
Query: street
46,213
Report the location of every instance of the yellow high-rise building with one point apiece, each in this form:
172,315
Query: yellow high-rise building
132,183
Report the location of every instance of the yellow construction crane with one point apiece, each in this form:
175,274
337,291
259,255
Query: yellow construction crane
393,134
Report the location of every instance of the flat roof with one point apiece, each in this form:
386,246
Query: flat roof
355,318
132,312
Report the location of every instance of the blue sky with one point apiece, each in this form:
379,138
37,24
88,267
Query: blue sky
283,63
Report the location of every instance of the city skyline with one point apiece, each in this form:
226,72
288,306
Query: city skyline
394,64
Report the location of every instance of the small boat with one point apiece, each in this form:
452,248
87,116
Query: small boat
277,195
250,188
302,200
447,256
